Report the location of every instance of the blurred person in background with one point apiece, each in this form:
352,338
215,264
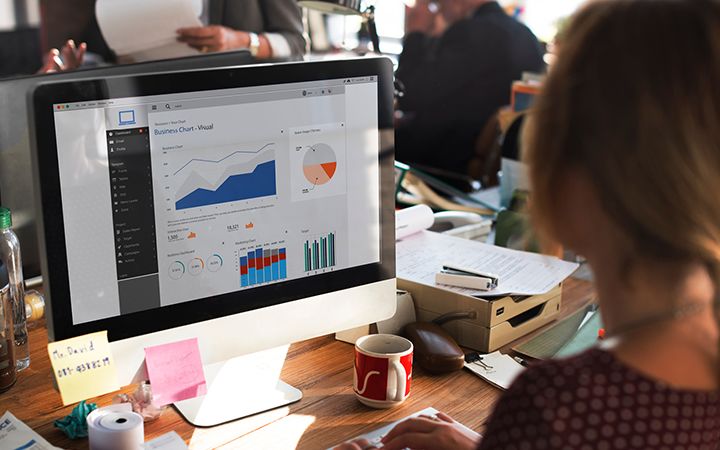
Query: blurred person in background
459,61
268,28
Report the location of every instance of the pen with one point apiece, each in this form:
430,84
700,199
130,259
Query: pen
520,361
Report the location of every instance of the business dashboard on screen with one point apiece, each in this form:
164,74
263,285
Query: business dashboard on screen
174,198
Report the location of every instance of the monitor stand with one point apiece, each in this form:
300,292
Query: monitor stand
240,387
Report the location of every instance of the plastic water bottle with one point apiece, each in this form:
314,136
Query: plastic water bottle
8,371
10,256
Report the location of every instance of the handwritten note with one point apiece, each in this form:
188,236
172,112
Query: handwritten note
83,367
175,371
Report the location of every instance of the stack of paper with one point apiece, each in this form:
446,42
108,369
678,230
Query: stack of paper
422,255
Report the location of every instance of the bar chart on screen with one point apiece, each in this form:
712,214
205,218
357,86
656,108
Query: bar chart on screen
262,265
319,253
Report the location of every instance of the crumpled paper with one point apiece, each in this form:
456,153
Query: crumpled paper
75,425
141,401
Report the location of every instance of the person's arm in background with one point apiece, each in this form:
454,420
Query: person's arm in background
282,36
61,22
284,28
219,38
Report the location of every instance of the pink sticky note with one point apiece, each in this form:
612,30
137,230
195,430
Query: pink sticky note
175,371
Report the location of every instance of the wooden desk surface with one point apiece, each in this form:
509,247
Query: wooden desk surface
327,414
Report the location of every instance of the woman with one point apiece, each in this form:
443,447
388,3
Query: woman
624,155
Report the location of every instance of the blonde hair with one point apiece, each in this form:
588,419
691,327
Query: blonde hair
634,101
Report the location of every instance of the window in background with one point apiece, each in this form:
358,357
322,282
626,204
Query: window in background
343,31
19,37
390,19
542,16
16,14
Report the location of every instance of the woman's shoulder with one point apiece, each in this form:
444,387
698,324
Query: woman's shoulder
546,385
593,399
590,368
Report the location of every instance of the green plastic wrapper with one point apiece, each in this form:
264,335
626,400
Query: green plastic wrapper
75,425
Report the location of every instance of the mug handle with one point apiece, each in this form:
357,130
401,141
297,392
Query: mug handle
399,370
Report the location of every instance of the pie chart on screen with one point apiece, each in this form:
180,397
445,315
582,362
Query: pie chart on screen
319,164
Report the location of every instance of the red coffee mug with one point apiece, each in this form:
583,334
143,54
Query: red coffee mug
383,370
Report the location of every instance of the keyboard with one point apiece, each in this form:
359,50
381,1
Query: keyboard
375,436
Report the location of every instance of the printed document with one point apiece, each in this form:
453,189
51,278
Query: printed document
145,30
15,435
422,255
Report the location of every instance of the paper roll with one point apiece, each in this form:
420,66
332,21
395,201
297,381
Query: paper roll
115,427
412,220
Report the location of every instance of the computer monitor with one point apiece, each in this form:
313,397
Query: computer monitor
16,187
248,207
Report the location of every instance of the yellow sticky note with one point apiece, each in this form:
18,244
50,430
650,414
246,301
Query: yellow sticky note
83,367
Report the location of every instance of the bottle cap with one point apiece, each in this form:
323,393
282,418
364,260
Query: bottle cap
5,218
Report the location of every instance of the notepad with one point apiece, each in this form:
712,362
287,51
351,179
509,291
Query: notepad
83,367
497,369
175,371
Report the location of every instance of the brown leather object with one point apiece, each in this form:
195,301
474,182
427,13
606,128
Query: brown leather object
435,350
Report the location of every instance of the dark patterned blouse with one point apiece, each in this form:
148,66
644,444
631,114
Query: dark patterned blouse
594,401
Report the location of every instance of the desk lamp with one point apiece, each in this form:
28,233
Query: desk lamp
347,8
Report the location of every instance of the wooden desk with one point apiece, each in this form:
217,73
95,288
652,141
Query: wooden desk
327,414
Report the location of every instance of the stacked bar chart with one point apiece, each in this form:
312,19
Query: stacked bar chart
263,265
320,253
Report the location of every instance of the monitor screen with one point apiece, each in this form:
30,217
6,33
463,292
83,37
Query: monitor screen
211,197
16,186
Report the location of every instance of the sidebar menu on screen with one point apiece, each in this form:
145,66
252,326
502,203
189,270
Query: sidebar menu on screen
131,190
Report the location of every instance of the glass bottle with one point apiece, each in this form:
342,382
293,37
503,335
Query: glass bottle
10,256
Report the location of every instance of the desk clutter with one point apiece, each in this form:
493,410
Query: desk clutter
111,428
83,368
495,368
514,292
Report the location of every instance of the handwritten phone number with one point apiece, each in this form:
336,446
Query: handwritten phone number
84,367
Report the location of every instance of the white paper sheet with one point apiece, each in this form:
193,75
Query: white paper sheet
147,29
14,434
497,369
168,441
412,220
422,255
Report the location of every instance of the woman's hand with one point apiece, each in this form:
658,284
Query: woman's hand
70,57
440,432
213,38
